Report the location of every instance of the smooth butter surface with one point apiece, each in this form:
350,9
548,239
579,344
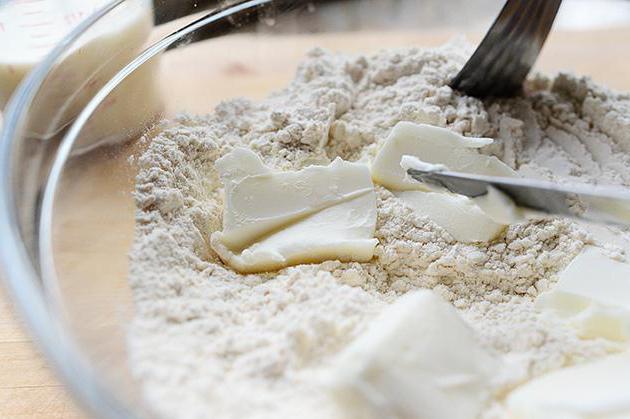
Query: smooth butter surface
593,295
465,219
597,390
418,359
433,145
276,219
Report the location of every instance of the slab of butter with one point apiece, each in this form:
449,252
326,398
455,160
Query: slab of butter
276,219
496,205
437,148
457,214
597,390
418,359
435,145
593,295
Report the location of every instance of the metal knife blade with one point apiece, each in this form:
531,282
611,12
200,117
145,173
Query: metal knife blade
602,204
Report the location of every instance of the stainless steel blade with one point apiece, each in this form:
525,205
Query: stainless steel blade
604,204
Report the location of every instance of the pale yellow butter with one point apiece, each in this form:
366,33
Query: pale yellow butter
593,295
432,145
457,214
418,359
276,219
597,390
465,219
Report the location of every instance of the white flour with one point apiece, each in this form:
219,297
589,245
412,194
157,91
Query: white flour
209,342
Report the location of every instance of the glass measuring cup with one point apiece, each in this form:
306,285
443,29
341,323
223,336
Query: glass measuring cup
29,29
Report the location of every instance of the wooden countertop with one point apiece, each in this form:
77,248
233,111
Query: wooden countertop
27,387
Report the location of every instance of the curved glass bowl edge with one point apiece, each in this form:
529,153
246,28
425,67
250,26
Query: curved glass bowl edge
18,269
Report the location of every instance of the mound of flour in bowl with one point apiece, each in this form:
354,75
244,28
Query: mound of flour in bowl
207,341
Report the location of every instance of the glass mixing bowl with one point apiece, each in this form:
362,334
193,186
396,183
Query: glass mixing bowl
67,148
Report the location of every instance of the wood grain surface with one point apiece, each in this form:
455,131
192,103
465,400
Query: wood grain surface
27,387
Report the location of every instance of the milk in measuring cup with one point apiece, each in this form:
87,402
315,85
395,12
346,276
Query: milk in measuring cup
29,29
